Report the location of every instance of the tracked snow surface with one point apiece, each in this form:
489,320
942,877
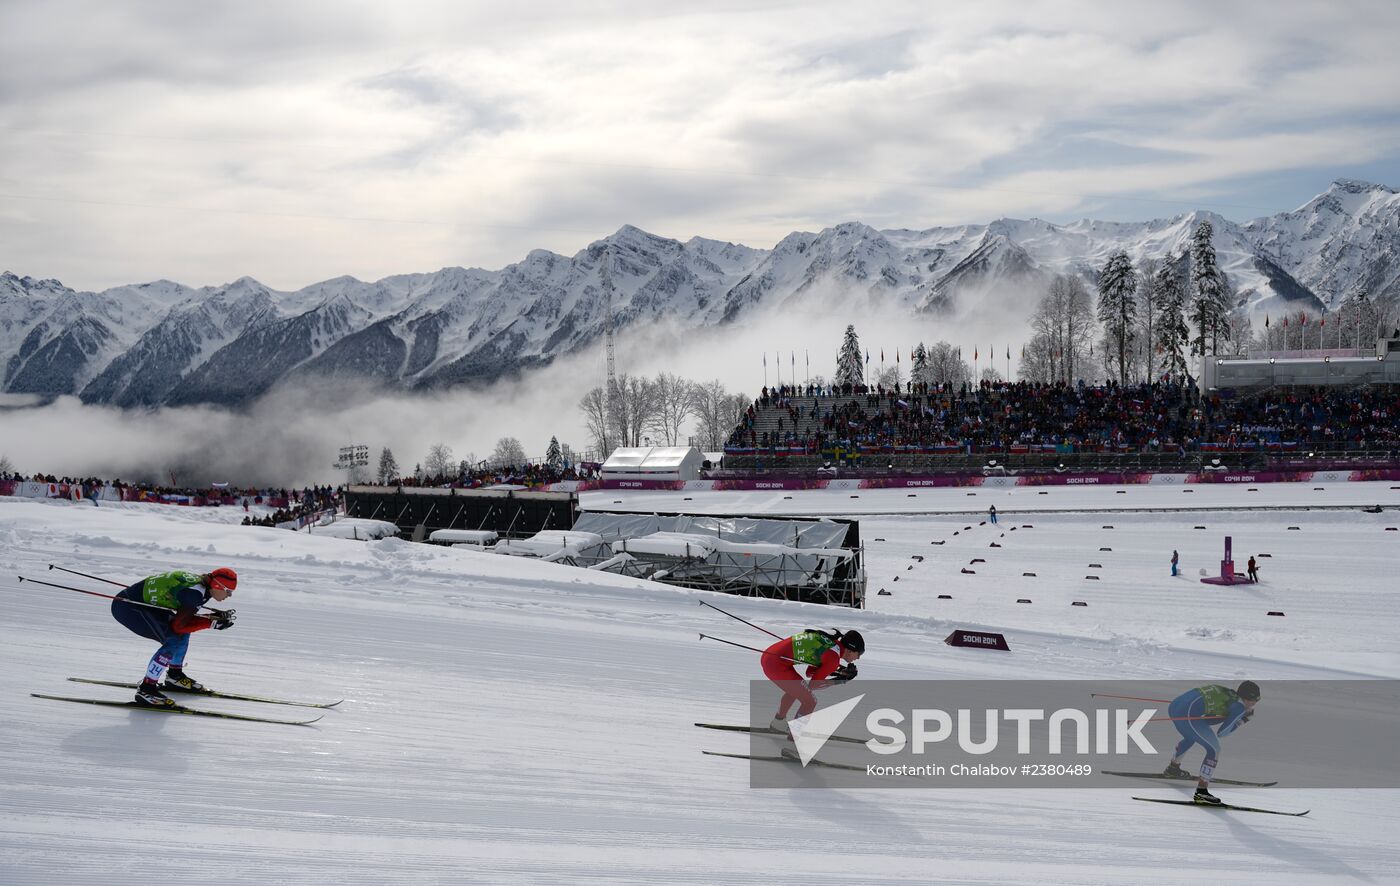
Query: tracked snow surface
511,721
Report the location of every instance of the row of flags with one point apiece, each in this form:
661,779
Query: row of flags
1302,320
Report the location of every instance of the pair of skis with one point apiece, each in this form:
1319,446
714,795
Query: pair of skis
776,758
1157,775
181,709
1188,777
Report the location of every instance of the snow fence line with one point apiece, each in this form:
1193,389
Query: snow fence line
934,482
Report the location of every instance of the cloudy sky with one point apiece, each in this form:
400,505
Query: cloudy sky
295,142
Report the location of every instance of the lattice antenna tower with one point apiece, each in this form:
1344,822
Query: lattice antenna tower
610,391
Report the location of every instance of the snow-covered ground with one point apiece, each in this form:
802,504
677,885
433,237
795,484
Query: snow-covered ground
510,721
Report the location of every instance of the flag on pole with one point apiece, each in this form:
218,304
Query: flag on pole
1008,352
794,359
867,358
896,355
1266,321
974,352
765,359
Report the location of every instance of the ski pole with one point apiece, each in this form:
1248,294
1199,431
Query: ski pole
753,649
108,596
737,618
1128,697
85,575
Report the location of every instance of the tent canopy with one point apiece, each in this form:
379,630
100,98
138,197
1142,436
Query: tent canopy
660,462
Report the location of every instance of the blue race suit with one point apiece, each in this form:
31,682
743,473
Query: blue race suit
1196,711
153,624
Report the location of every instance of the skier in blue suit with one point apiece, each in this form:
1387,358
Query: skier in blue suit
1196,714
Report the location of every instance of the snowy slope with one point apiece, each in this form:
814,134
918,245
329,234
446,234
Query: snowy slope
516,722
1344,242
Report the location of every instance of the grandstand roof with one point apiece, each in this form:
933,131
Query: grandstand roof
683,461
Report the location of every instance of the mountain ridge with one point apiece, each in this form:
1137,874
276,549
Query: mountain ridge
164,343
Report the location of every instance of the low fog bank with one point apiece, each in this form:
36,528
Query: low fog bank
292,435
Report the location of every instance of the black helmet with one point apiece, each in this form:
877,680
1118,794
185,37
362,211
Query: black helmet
1249,691
853,641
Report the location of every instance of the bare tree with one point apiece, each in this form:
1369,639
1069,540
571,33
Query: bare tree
889,377
1147,340
717,413
439,462
508,453
594,407
1240,331
946,366
1038,360
1065,317
634,408
675,403
6,466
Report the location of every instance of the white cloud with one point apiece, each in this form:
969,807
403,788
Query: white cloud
299,143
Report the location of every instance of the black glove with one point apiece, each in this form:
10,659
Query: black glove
222,619
843,674
1245,718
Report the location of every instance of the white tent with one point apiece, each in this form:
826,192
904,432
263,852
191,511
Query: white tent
653,463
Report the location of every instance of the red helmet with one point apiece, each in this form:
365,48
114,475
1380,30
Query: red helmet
224,578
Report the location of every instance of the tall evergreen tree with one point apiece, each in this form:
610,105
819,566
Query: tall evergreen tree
1209,295
1118,307
1172,334
553,456
388,466
918,365
850,364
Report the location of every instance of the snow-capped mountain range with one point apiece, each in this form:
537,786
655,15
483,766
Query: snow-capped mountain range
165,343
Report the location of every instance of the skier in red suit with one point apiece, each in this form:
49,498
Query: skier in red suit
827,655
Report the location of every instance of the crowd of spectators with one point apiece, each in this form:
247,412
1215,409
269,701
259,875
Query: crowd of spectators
291,502
305,503
1025,416
529,475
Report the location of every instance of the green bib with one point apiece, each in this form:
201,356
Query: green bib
161,590
808,647
1218,699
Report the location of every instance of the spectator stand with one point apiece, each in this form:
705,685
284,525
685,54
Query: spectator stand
509,512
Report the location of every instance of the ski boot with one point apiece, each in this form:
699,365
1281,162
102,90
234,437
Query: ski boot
789,752
1174,770
150,696
1206,798
778,725
175,678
